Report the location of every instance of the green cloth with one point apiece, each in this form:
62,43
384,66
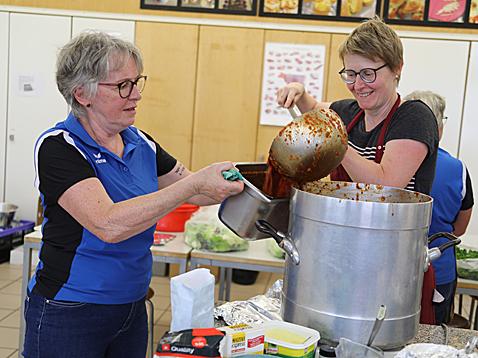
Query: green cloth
232,174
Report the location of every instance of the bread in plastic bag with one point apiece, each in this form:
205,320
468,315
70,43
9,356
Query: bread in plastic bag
205,231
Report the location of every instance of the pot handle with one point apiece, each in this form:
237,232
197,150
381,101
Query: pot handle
284,241
435,252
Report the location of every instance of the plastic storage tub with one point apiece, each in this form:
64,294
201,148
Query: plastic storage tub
175,220
290,340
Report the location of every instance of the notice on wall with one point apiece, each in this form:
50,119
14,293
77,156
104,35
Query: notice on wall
285,63
28,85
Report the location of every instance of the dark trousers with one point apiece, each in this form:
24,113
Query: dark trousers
59,329
443,310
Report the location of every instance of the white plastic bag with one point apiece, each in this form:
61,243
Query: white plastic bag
192,300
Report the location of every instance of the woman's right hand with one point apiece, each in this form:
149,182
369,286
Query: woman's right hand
209,182
289,95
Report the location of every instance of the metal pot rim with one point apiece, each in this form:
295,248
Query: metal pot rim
422,199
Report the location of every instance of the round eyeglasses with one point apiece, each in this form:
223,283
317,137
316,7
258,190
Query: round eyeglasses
368,75
126,87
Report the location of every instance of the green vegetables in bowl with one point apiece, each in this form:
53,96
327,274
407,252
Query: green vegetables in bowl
467,263
462,253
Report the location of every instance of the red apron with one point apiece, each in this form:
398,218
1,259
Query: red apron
427,314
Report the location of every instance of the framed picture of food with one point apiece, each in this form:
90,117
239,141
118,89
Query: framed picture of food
279,7
238,7
359,8
447,10
405,10
445,13
473,14
336,10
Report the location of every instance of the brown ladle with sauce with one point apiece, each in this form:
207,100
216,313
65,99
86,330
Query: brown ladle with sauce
310,146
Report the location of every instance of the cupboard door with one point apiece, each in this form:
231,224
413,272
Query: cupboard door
166,110
34,102
438,66
468,139
119,28
4,20
266,134
336,88
227,95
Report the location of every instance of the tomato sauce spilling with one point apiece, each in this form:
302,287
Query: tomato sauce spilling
275,184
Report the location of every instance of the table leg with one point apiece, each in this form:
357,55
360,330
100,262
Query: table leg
228,283
27,270
182,266
222,275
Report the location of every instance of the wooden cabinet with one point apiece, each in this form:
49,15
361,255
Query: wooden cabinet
336,88
227,95
34,103
166,110
4,22
469,130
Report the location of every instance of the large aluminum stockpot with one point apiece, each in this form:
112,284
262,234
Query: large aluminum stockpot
360,247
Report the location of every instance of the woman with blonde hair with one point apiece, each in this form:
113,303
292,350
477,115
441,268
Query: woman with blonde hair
390,142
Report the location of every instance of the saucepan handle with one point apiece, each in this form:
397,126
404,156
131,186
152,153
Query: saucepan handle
435,252
294,111
283,240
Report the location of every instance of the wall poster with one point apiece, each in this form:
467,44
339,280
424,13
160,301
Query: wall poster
285,63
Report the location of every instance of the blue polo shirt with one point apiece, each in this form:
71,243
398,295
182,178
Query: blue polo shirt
75,265
451,192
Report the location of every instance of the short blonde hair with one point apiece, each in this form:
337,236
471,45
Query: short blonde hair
433,100
373,39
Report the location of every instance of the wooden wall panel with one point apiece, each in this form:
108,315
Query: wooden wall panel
227,95
267,133
336,88
166,111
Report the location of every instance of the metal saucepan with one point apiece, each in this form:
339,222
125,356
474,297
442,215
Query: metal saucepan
310,146
7,212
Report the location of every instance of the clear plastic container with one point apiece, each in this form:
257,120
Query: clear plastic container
350,349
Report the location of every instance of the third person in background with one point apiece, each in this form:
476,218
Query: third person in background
452,206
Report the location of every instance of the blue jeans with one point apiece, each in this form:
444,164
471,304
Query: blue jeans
59,329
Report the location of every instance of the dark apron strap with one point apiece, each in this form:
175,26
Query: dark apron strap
340,173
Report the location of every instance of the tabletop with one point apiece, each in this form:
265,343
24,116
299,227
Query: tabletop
257,254
174,248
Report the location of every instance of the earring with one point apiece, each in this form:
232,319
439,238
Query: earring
88,105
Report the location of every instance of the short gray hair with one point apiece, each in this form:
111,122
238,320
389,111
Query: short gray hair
87,60
433,100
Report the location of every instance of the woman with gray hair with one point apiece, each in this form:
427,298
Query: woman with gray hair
453,201
104,184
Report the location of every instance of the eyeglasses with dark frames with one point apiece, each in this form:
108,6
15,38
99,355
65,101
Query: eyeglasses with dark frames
126,87
368,75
